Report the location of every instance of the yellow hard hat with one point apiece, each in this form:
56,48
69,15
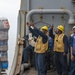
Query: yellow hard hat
45,28
61,27
73,27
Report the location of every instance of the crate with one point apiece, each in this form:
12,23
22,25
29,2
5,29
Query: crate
3,45
4,65
3,56
3,73
3,59
3,48
3,34
4,24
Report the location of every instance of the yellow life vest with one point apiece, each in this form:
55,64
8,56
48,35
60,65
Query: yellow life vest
58,43
39,46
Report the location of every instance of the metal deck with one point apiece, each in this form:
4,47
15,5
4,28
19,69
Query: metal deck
32,71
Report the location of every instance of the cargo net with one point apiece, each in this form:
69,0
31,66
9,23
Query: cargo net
4,27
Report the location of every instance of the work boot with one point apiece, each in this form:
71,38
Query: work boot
26,65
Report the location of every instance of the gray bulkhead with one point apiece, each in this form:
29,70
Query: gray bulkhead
49,19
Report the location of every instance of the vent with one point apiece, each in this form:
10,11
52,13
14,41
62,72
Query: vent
73,1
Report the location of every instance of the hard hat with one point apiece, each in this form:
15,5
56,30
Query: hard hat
45,28
61,27
73,27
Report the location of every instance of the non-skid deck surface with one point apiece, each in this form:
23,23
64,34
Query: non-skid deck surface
32,71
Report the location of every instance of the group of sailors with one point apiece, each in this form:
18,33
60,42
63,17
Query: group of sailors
48,49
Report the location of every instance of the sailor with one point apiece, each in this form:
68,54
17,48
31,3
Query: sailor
28,50
72,52
41,47
61,50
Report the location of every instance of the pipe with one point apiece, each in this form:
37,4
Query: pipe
51,11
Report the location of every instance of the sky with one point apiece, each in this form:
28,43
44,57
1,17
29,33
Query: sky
9,9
